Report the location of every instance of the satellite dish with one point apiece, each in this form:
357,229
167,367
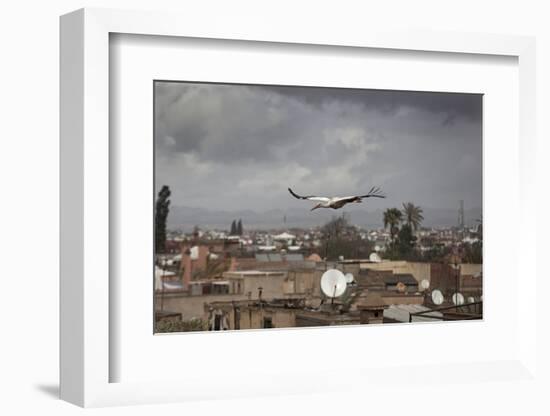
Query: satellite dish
333,283
458,298
424,284
471,299
437,297
349,278
375,258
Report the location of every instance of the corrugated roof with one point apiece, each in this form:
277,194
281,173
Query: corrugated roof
401,313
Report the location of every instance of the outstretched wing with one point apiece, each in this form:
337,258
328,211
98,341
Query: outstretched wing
375,192
309,197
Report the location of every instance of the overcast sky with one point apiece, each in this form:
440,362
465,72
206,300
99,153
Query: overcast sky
230,147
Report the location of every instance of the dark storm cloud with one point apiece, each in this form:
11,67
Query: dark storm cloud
225,123
386,101
225,144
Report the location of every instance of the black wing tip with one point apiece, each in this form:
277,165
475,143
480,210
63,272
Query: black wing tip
375,192
293,193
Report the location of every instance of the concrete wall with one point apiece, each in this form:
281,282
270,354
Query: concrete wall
272,286
419,271
306,281
470,269
402,300
253,318
191,306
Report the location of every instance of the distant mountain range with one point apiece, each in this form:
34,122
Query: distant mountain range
185,218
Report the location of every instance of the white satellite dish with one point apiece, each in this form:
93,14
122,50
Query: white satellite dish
375,258
437,297
333,283
458,298
424,284
349,278
471,299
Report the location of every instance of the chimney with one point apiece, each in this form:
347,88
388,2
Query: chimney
186,265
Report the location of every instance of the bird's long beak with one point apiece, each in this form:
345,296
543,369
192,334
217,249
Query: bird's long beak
315,207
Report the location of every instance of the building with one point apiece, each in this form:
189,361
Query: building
291,312
400,282
287,293
371,311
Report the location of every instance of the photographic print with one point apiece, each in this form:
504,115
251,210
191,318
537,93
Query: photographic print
291,206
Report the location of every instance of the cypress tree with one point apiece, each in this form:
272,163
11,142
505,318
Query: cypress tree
162,209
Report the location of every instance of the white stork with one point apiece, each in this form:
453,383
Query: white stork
338,201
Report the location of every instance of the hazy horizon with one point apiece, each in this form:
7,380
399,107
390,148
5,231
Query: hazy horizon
186,218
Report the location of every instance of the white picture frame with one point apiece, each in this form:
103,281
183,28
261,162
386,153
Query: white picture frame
85,353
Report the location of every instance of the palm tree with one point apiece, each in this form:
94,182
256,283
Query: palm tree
392,218
413,215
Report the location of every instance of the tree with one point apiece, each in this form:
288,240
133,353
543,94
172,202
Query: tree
337,227
194,324
240,227
162,209
436,254
479,230
406,241
392,219
341,238
413,215
473,253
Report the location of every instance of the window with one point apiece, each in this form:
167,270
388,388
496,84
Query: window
268,322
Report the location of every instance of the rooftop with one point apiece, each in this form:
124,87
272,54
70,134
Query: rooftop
405,278
260,273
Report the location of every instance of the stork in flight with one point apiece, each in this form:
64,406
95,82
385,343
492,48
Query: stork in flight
339,201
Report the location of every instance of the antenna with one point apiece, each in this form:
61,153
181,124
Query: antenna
424,284
437,297
333,283
461,214
349,278
471,299
458,299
